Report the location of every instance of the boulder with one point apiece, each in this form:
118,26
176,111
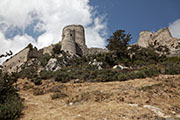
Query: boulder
52,65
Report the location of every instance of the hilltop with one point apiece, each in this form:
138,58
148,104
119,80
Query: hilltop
68,80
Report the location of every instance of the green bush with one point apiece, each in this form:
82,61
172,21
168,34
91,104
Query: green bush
44,59
63,76
29,72
10,103
172,68
38,91
57,49
122,77
57,95
44,74
37,81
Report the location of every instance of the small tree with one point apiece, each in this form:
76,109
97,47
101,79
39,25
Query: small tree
118,43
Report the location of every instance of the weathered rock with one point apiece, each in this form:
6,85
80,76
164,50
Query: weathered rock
156,110
120,67
52,65
95,63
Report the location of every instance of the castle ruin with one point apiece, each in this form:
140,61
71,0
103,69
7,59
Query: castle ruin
73,42
162,37
15,63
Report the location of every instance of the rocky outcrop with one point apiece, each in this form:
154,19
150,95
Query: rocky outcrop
162,37
97,64
52,65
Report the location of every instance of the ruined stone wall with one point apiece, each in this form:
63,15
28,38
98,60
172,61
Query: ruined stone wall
162,37
144,38
14,63
47,50
95,51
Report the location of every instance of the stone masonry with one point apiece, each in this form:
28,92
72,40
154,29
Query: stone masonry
14,63
73,42
162,37
73,39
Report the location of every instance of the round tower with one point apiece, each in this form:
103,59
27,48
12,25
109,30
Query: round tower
79,33
73,39
68,41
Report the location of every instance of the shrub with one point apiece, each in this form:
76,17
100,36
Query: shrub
44,74
63,76
10,103
58,95
44,59
151,72
57,88
38,91
122,77
29,72
37,81
57,49
172,68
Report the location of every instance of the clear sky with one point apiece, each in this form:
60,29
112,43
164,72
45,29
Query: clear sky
40,22
137,15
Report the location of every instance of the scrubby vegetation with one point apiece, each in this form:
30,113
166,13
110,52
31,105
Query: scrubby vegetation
10,103
139,63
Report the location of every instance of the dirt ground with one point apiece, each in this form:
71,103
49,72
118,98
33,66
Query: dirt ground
155,98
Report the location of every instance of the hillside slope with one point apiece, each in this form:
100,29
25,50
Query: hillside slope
145,99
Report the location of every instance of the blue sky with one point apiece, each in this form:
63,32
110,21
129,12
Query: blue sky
137,15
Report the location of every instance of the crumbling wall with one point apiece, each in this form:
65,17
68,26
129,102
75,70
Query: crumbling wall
144,38
15,62
95,51
162,37
47,50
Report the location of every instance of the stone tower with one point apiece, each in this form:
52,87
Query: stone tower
73,39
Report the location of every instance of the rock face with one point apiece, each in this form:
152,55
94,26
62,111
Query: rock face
73,39
162,37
